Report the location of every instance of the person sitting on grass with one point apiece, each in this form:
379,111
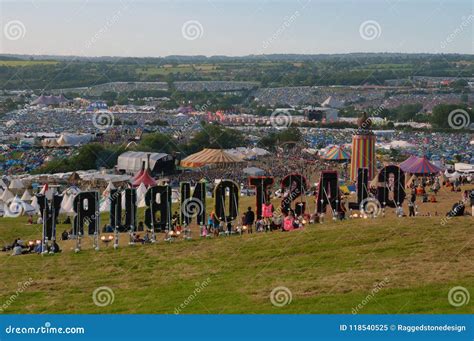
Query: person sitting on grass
457,210
55,247
288,222
17,250
136,238
64,235
38,248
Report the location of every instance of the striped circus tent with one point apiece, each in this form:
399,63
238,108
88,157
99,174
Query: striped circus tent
212,157
419,165
337,153
408,161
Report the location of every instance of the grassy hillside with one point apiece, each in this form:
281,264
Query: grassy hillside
329,268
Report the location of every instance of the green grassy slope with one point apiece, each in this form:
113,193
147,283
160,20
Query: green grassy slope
329,268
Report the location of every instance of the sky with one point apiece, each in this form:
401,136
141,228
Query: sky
146,28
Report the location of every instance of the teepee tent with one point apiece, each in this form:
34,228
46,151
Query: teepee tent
34,203
7,195
17,207
63,203
47,192
68,207
105,204
144,176
16,185
26,196
141,191
3,185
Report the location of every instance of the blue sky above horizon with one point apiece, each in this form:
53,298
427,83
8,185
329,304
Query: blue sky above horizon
230,27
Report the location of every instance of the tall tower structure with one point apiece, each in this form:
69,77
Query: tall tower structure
363,148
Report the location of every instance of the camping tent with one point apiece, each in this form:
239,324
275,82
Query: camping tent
215,157
254,171
17,207
419,165
398,144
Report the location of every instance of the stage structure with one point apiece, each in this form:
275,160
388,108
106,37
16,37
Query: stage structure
363,148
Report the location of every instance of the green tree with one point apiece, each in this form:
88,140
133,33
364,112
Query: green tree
157,143
441,112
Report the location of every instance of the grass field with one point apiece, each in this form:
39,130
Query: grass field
169,69
19,63
333,267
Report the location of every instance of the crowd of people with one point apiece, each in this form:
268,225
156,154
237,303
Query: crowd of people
20,247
